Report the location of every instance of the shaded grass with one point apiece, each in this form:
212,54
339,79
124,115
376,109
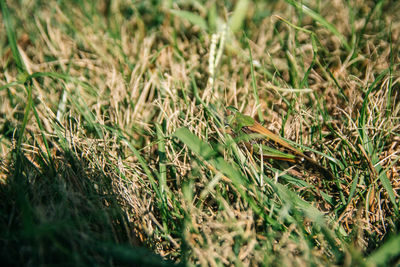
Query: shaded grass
71,218
121,137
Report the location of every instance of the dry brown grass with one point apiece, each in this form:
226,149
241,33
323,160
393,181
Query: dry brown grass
128,74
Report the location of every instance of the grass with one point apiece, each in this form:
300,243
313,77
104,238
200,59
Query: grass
114,148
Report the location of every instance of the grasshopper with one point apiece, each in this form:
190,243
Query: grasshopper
246,124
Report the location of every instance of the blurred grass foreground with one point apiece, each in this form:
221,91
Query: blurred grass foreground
114,146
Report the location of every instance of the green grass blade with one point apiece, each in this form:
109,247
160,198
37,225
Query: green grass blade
195,144
388,186
11,36
272,152
191,17
46,144
8,85
239,14
25,120
386,252
317,17
254,83
353,188
162,161
362,120
391,67
389,189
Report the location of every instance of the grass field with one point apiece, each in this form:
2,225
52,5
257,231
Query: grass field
115,147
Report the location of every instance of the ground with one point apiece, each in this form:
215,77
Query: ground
115,148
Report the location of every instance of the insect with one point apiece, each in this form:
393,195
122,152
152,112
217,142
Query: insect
241,123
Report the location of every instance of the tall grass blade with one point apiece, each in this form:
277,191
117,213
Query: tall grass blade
239,14
386,252
11,36
388,186
254,83
317,17
191,17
